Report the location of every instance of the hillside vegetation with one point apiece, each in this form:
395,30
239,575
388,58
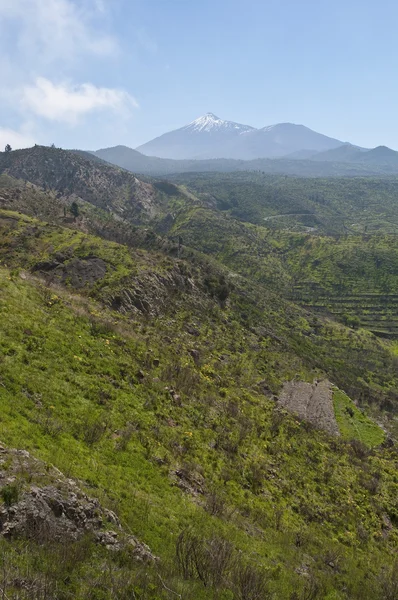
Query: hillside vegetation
76,176
179,436
331,206
148,367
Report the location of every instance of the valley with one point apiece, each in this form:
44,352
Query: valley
216,378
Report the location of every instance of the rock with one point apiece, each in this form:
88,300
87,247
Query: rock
79,272
141,551
112,518
195,355
191,483
58,512
387,524
176,397
192,330
107,539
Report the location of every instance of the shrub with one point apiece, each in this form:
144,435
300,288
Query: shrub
206,560
10,494
250,583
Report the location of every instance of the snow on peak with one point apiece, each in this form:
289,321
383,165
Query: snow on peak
210,122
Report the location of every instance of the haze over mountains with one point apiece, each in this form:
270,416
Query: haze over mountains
211,137
212,144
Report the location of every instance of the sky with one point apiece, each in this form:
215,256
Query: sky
96,73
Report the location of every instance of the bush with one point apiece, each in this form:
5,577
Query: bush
10,494
250,583
206,560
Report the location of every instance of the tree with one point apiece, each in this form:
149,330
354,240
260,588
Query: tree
8,148
74,209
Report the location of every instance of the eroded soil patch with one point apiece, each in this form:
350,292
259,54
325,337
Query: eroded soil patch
311,402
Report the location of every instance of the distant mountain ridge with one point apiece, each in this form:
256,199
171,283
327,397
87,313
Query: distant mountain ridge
346,160
210,137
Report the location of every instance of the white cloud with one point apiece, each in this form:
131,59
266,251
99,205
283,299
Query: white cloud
47,48
15,139
67,103
50,30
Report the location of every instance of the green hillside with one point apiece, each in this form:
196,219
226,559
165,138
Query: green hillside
147,349
337,205
183,443
355,278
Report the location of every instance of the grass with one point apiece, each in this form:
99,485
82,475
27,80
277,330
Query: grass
167,414
353,423
70,393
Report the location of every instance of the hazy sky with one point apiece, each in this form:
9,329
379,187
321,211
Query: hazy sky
95,73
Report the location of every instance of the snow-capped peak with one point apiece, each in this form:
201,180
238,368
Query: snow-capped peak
211,123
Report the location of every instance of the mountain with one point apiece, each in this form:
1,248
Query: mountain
381,157
206,137
344,153
301,163
134,161
280,140
211,137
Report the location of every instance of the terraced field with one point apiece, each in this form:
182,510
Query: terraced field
353,278
376,312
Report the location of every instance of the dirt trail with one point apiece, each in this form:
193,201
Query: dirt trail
311,402
288,215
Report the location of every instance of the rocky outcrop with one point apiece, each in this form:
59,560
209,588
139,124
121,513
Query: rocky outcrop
151,292
78,272
52,507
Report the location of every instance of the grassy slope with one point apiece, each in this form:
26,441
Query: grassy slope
82,387
353,423
347,277
334,205
72,176
70,395
351,275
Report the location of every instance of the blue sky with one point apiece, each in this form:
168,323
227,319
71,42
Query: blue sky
95,73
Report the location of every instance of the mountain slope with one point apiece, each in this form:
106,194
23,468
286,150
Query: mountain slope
345,153
206,137
75,175
280,140
296,164
379,156
170,384
211,137
166,409
132,160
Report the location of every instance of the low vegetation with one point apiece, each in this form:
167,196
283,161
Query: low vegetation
148,372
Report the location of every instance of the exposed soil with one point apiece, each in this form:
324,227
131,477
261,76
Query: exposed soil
311,402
